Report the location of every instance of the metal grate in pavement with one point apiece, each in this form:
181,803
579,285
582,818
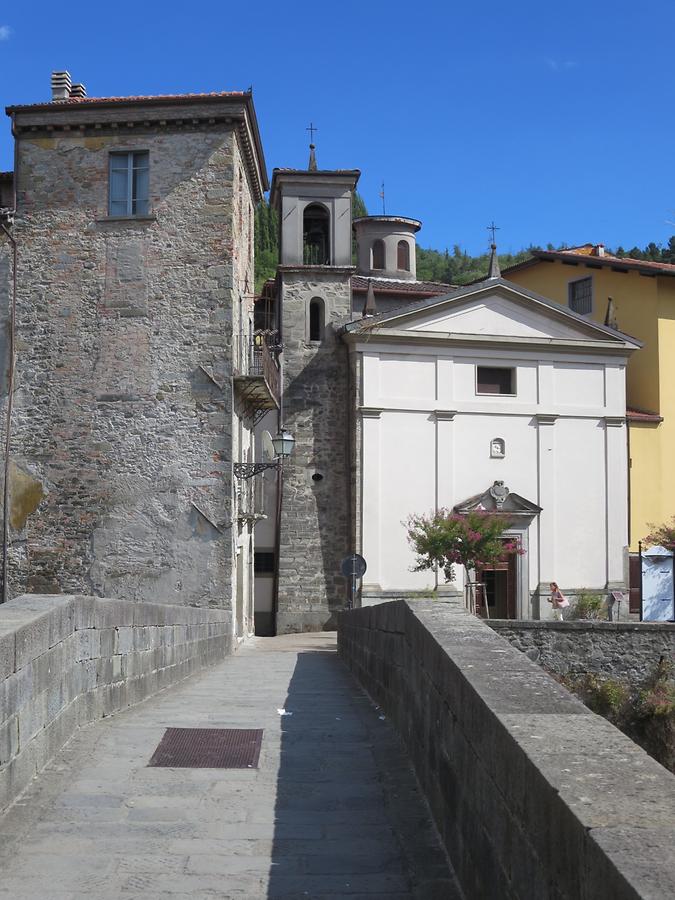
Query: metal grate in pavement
209,748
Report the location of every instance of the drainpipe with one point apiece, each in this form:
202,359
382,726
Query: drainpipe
280,469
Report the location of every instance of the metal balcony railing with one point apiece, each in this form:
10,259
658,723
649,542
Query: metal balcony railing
256,371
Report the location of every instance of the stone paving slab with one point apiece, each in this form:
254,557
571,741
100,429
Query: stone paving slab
332,811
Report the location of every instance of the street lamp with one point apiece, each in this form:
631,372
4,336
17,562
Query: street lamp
283,443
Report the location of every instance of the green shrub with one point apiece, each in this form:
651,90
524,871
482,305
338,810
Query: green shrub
658,696
646,714
588,606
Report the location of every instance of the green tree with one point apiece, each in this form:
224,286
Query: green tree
358,206
358,210
445,539
266,244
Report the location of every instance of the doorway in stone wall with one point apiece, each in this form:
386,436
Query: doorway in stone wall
500,588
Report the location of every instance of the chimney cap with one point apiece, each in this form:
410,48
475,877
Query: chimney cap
61,85
78,90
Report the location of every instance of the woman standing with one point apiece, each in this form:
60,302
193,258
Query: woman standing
559,602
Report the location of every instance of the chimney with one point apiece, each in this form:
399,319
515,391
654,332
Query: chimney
61,85
78,91
600,250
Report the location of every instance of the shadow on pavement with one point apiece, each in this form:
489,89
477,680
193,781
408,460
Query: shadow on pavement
349,819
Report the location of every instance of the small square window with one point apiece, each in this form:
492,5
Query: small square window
263,562
129,183
581,296
491,380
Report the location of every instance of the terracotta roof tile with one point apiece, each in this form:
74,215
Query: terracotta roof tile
165,98
590,251
394,286
588,254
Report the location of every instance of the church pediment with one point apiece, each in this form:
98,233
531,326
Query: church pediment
493,309
501,316
498,499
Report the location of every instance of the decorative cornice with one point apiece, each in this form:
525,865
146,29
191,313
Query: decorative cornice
151,115
370,412
294,268
444,415
546,418
615,421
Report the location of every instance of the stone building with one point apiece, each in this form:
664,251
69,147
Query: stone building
136,380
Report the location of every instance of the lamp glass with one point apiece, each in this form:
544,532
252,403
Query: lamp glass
283,443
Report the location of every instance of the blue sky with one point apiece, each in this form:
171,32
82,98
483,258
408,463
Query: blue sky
554,120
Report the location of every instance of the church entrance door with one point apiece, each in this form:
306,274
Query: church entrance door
500,588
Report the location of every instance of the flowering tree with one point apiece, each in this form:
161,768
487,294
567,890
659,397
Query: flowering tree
446,538
662,535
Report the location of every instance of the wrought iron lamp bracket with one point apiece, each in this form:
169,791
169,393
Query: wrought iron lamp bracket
248,470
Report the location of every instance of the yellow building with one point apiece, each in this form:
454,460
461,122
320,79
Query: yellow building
638,298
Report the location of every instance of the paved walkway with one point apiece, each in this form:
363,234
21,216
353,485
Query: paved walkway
333,810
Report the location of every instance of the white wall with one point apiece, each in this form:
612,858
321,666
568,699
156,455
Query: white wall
426,444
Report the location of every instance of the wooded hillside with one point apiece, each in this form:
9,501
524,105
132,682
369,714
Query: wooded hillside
454,266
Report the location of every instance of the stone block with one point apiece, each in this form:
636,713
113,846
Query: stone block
86,612
111,613
88,644
9,740
17,775
7,650
117,668
32,638
107,642
56,734
124,639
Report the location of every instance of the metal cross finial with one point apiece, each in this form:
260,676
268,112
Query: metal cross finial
384,211
492,227
312,128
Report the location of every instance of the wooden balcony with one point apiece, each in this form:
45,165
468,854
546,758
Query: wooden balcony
257,381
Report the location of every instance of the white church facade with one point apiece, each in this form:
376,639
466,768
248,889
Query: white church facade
493,398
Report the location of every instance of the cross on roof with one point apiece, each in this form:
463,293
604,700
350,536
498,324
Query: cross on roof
312,128
492,227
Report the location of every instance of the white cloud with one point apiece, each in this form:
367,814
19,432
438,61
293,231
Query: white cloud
5,32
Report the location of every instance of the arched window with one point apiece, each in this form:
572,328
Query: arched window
403,256
378,254
316,235
316,319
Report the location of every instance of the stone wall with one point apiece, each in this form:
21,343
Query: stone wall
123,432
5,293
315,514
616,649
66,661
534,796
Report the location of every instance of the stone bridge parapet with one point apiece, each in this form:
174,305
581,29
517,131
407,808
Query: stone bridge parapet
534,795
629,650
68,660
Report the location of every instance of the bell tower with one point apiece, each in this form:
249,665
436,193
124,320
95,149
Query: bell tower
314,298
